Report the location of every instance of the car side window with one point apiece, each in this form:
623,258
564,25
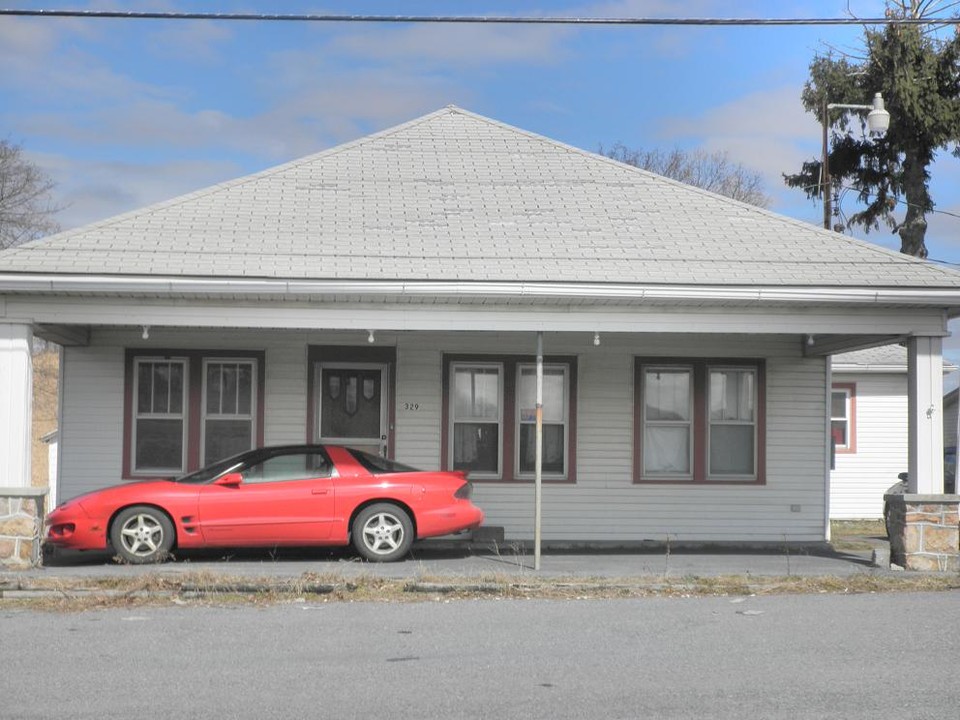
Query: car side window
288,466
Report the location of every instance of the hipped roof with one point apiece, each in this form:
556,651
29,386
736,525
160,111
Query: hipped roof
457,196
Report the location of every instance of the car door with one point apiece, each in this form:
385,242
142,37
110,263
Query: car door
286,498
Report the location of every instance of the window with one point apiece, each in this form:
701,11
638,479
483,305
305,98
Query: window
843,425
554,424
185,409
490,417
228,408
159,424
477,419
288,466
699,421
668,422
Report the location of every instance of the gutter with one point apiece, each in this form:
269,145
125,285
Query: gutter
105,284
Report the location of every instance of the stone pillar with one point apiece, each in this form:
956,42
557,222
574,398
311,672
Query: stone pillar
925,415
21,525
924,531
16,404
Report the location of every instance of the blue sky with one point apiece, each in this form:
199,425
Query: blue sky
123,113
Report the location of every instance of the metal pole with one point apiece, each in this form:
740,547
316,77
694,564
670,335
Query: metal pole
538,477
825,170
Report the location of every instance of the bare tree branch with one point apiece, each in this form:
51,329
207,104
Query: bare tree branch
710,171
26,209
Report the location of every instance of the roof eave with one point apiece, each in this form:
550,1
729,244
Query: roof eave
294,288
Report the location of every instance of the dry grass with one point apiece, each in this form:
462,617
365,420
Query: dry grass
198,589
857,534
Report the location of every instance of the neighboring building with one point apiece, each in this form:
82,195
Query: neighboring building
51,441
951,430
388,293
868,414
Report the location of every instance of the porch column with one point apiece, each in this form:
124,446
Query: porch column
925,411
16,404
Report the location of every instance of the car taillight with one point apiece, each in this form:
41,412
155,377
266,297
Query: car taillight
464,491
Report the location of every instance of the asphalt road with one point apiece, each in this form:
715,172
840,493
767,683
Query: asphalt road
812,656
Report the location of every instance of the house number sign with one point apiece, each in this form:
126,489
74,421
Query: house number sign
411,406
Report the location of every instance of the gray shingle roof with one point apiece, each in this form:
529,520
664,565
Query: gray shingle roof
454,195
892,356
886,357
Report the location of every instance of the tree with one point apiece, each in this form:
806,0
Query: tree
917,69
709,171
26,209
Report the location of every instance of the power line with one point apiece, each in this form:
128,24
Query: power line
466,19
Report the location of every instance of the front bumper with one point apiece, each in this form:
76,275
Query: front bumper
75,530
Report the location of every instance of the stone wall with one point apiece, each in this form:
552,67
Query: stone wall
924,531
22,511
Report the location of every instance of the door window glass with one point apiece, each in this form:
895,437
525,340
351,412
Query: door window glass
350,403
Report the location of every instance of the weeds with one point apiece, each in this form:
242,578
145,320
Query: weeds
198,589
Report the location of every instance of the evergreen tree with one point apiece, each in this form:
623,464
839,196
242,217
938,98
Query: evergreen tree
916,66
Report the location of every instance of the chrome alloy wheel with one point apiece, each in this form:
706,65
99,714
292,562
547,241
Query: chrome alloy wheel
142,535
383,533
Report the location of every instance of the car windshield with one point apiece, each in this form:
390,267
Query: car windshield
377,465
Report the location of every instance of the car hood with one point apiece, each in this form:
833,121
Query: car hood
118,493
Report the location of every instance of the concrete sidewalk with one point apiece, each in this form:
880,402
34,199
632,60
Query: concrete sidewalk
445,560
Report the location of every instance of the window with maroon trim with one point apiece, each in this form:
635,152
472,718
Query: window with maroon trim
187,409
699,421
843,417
490,417
159,419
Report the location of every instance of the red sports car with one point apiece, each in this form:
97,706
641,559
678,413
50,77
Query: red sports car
294,495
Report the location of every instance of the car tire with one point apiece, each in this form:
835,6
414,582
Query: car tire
382,532
142,534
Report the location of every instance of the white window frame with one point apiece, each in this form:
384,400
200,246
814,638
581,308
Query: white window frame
183,416
688,423
518,421
204,410
754,423
848,394
453,419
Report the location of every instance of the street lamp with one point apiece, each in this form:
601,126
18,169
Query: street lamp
878,120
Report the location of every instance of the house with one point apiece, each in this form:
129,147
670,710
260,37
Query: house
868,417
869,428
389,292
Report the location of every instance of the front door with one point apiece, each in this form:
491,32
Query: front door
352,405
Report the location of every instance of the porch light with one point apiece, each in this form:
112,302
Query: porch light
370,338
146,332
596,338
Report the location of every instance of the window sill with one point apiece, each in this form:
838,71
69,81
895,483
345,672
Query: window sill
698,482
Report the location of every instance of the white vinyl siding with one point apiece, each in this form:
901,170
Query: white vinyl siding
603,505
859,480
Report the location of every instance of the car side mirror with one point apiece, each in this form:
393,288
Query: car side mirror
229,480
